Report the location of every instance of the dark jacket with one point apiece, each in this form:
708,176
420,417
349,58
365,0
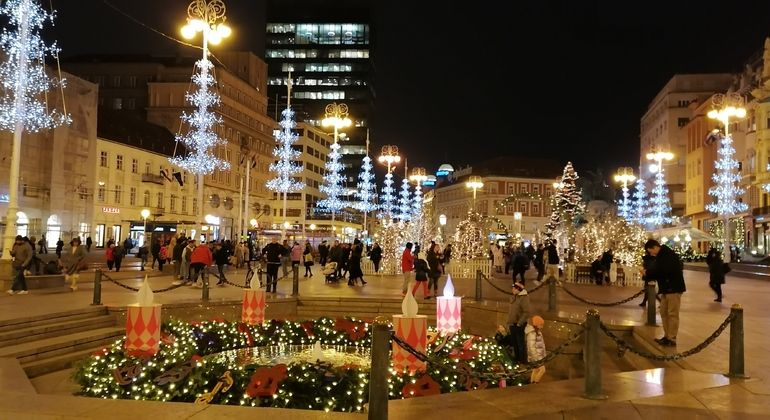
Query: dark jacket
716,268
434,262
420,269
376,254
667,270
553,254
273,251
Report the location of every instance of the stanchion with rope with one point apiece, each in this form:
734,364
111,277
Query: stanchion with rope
378,375
592,357
652,300
103,275
551,294
593,303
97,287
736,343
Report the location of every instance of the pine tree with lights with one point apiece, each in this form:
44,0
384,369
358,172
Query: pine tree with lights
404,202
726,189
332,183
641,206
568,206
201,139
419,222
660,204
386,197
286,166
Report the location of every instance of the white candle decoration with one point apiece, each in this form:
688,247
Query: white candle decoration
449,289
145,296
409,305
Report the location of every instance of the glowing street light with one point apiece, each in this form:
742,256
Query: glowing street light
336,115
474,182
145,214
389,156
726,107
660,203
625,176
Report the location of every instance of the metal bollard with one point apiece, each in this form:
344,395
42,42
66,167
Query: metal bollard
378,375
652,303
205,281
97,287
592,357
295,280
737,368
478,284
551,294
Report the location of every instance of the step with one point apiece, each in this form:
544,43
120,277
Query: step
13,378
88,312
39,332
60,362
37,282
50,347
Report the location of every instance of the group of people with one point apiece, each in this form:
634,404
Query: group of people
70,263
425,271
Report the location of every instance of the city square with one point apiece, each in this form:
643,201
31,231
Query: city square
220,209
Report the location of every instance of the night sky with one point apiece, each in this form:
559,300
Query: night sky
568,80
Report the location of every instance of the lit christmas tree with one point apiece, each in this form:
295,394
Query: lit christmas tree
332,184
285,167
469,238
726,190
568,206
404,202
660,205
640,206
365,192
387,197
23,105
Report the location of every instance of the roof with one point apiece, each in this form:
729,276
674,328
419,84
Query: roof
522,167
129,128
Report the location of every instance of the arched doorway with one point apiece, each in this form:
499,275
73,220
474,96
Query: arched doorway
22,223
53,230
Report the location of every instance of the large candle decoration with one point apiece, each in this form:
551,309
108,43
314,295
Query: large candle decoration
253,307
448,310
143,323
413,329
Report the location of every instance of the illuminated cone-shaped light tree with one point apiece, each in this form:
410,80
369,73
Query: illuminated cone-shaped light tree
726,189
202,139
332,183
404,202
660,204
568,205
25,81
418,176
365,192
387,197
640,207
286,166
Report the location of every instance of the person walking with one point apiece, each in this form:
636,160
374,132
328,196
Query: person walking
307,257
375,255
89,242
716,272
142,254
59,248
296,257
118,252
323,253
533,334
273,253
155,251
421,270
434,264
539,262
109,254
356,253
74,263
518,313
22,254
407,267
200,260
667,269
520,264
43,243
221,257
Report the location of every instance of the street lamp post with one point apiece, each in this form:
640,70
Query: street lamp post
474,182
726,107
659,204
145,214
625,176
389,157
336,115
517,219
442,223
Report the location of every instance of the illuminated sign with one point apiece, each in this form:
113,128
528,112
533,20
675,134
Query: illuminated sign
429,183
442,173
110,210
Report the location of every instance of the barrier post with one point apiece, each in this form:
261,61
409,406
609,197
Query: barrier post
552,294
97,287
592,357
652,303
478,285
378,374
295,280
205,281
737,368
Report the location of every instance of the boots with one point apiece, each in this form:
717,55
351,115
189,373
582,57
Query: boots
74,277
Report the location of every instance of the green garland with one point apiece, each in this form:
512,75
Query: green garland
179,371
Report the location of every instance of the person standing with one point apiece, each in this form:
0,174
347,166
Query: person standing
118,252
376,256
296,257
59,247
221,257
43,242
74,263
535,346
716,272
22,256
538,261
518,313
109,254
434,265
142,254
286,257
307,258
447,258
667,269
323,253
520,264
200,260
552,267
273,253
407,266
155,251
356,253
647,260
89,242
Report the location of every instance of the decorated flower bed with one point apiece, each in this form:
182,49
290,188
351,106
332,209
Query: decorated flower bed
318,364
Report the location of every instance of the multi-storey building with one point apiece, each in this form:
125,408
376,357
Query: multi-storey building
328,48
516,193
154,88
662,126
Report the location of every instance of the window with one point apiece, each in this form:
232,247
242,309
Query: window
135,166
101,193
118,193
130,103
146,198
160,200
132,196
184,204
119,162
131,81
115,81
117,103
172,204
103,159
147,166
195,206
681,122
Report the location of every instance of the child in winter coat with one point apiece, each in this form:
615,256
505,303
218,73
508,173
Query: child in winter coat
535,346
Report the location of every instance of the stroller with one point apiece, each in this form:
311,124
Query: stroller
330,272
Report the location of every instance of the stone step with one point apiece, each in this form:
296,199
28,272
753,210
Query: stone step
55,329
62,361
37,282
55,346
25,322
13,378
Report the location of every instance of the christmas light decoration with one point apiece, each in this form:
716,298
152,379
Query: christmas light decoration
365,193
567,207
194,358
469,237
23,73
404,202
660,205
392,240
640,207
626,240
624,176
387,197
332,183
726,179
286,166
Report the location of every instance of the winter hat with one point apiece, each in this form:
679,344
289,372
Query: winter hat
538,321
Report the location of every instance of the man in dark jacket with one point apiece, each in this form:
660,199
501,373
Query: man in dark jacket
667,269
273,253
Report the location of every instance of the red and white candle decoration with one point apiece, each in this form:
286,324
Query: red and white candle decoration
448,310
143,321
253,307
413,329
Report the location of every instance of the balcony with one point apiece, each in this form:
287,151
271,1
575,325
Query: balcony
760,211
155,179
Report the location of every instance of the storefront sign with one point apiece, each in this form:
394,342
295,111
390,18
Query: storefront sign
111,210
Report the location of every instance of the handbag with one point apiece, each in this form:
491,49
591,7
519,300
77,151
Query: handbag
308,257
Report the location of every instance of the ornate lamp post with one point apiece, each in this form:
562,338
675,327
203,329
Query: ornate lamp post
625,176
336,115
145,214
474,182
389,156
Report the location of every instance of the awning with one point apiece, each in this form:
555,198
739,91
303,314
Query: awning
696,235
